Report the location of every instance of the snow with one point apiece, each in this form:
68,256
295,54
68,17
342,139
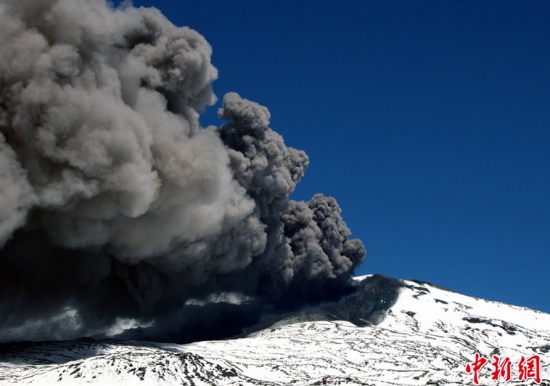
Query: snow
428,335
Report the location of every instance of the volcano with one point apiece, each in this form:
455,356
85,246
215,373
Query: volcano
388,332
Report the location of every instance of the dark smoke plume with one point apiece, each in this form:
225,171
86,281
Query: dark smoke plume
116,205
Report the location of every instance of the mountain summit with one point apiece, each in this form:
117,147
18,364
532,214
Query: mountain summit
388,332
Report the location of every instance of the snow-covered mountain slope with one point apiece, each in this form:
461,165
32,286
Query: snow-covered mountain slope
389,332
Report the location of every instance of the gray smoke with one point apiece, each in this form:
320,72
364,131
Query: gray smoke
115,203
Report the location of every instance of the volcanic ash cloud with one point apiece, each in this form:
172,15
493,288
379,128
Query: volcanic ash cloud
116,203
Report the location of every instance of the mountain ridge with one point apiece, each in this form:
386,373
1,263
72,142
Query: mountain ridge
389,332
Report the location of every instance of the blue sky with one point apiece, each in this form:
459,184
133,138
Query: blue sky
428,121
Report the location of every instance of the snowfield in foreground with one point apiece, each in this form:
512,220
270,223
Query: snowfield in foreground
390,332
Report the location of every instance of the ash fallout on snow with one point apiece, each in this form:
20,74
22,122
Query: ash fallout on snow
115,204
